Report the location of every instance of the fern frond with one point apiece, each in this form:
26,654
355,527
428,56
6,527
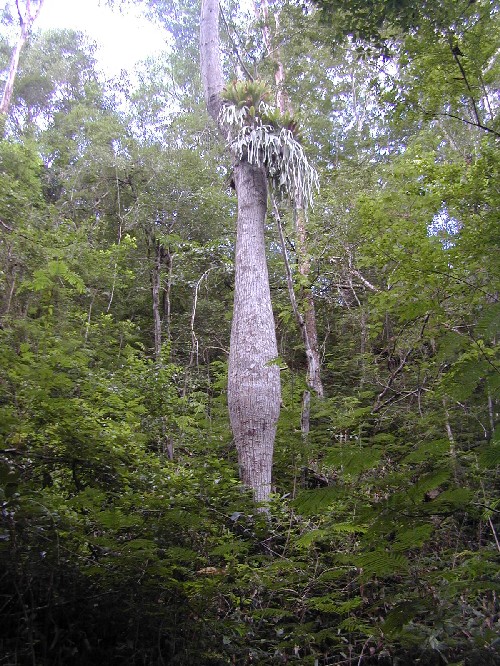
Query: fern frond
377,563
353,461
489,457
311,502
328,604
427,450
412,536
402,614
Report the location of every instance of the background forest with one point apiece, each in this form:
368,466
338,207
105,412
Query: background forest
126,536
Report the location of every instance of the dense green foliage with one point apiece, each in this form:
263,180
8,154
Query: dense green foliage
126,537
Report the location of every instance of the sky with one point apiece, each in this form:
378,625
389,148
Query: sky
123,39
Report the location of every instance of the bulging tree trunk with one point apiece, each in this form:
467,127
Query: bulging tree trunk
254,382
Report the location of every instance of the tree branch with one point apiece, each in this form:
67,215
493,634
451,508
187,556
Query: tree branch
467,122
236,48
456,53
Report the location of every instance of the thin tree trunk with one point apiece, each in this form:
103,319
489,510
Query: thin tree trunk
26,24
451,439
12,289
254,382
14,65
193,357
308,324
119,239
167,305
491,415
313,369
155,287
307,302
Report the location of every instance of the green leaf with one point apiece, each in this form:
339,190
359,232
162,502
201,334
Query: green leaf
428,450
312,502
327,604
115,519
401,615
377,563
489,456
414,536
353,460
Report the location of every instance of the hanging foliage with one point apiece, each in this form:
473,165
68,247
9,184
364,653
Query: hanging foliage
259,134
283,157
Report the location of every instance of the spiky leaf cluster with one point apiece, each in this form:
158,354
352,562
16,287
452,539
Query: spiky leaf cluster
246,93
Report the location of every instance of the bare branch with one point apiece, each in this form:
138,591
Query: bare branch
236,48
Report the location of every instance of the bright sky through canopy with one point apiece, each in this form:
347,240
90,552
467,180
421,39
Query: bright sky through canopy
123,39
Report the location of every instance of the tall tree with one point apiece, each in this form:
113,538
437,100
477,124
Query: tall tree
254,383
27,16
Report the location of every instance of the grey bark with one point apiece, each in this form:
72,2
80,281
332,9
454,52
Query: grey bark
254,382
211,72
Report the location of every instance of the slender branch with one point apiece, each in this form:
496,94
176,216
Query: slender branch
288,270
194,339
466,81
378,403
363,650
235,47
39,9
486,506
467,122
490,522
21,17
368,284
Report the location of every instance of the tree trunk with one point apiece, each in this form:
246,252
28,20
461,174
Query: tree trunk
167,305
254,382
211,72
310,334
14,64
156,288
26,24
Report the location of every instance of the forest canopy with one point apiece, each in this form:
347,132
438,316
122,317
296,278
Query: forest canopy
131,530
